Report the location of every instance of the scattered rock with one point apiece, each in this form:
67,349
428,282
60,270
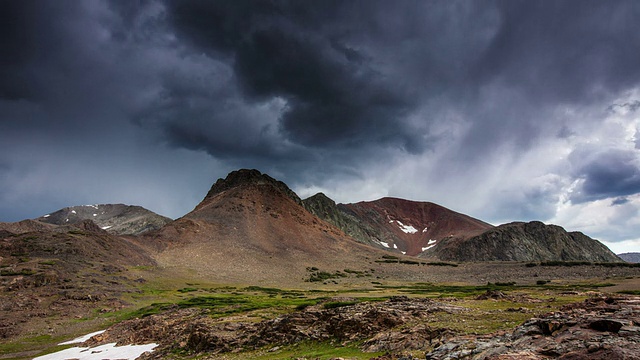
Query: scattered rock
599,328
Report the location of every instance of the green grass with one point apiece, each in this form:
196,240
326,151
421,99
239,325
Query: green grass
464,291
307,350
220,305
32,343
630,292
258,303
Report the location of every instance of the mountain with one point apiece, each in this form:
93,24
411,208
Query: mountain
253,228
24,226
520,241
632,257
405,226
62,272
336,214
118,219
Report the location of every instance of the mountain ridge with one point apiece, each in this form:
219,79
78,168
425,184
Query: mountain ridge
632,257
117,219
254,228
524,241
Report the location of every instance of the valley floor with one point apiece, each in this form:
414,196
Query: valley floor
390,308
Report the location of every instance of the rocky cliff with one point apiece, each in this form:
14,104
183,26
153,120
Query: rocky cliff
520,241
340,216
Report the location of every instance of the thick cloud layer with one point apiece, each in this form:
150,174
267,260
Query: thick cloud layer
506,110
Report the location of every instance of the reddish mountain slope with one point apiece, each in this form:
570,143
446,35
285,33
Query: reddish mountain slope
252,228
413,227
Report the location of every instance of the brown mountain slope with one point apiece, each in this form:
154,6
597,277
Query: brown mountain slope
252,228
519,241
409,226
62,273
25,226
118,219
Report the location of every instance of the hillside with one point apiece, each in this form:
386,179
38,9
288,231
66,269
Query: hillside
118,219
326,209
63,273
252,228
519,241
399,225
632,257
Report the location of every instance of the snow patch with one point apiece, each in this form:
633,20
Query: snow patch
67,220
428,247
102,352
424,230
82,339
93,206
105,227
95,214
403,252
47,215
384,244
407,229
431,241
73,212
395,246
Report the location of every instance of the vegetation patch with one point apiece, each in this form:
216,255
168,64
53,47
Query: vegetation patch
441,263
187,289
24,272
317,275
307,350
630,292
226,304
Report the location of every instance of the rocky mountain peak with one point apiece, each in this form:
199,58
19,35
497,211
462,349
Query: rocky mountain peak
320,205
248,177
524,241
117,219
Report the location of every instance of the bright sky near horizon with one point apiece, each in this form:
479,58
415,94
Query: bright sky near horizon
503,110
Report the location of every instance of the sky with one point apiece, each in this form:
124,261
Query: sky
503,110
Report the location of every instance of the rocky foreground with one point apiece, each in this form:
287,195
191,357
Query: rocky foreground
602,327
599,328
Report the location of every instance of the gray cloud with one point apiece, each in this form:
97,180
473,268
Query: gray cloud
606,174
451,95
619,201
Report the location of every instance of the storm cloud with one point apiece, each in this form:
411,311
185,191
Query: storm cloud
506,110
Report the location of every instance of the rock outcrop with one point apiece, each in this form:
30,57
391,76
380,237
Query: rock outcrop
191,331
519,241
605,328
602,327
340,216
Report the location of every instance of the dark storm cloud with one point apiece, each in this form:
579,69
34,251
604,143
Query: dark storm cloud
25,33
293,51
565,50
607,174
59,69
375,74
317,92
